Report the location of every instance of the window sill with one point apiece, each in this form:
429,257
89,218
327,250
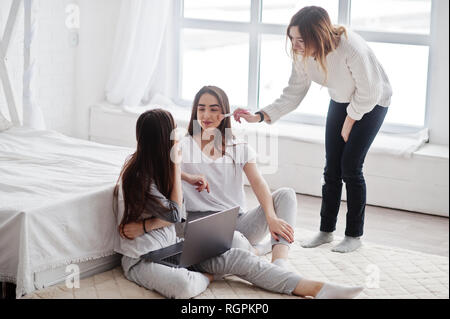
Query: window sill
301,157
403,145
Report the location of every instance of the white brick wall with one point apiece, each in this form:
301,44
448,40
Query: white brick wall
54,82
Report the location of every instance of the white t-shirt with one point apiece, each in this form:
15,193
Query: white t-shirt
224,175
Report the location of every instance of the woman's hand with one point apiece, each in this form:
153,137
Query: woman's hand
277,226
245,114
131,230
199,181
347,127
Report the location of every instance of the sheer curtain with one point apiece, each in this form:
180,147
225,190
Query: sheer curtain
32,113
13,26
139,59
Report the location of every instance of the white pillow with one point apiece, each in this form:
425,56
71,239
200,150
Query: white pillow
4,123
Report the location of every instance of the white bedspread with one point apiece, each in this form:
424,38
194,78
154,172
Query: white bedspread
55,202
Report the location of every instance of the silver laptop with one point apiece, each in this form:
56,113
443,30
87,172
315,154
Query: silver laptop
204,237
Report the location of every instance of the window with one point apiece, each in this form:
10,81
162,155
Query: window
240,45
206,56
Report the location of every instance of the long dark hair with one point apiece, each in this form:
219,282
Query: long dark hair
319,35
150,163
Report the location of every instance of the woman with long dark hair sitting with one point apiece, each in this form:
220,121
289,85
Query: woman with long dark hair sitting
149,194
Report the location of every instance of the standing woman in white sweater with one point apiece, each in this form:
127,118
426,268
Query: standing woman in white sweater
360,95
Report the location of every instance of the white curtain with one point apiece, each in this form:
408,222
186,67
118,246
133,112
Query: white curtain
139,53
32,113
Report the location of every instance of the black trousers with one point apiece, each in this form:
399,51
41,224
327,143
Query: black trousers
344,163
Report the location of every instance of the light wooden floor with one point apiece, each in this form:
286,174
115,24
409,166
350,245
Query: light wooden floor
408,230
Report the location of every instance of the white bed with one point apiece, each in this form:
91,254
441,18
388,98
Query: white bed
55,206
55,191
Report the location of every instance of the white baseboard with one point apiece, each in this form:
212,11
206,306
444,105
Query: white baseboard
419,183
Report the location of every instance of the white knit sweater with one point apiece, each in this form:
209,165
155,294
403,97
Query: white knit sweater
354,76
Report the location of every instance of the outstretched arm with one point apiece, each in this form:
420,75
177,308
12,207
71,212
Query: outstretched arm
298,85
198,181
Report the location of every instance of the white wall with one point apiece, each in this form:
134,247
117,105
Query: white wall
438,102
68,79
98,19
55,63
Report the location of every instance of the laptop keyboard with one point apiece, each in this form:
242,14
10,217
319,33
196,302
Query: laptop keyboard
175,259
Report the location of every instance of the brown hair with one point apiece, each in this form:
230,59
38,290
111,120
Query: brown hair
225,125
319,35
150,163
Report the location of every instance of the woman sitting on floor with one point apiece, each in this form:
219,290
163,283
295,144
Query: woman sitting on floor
149,193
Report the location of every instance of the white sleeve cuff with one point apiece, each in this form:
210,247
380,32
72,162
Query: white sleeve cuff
354,115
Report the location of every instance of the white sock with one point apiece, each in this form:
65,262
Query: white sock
281,262
347,245
332,291
264,247
319,239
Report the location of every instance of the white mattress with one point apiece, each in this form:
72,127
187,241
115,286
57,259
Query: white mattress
55,202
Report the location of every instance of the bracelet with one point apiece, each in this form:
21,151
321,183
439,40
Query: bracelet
143,226
261,115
